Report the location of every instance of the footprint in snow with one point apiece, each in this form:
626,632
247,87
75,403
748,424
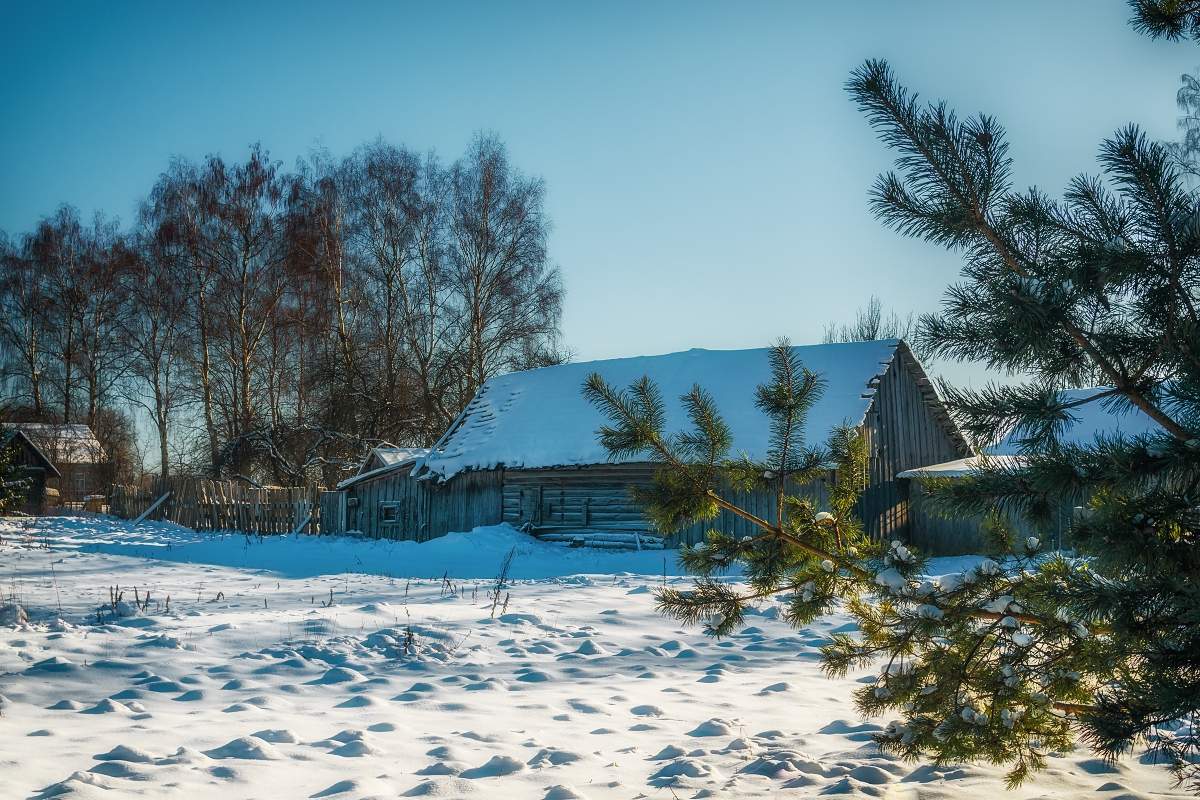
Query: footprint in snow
108,706
667,753
496,766
65,705
448,788
553,757
590,648
247,748
682,768
646,711
584,707
341,787
563,792
775,687
712,727
356,749
125,753
119,769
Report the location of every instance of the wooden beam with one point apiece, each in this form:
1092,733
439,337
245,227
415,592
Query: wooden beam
303,523
152,507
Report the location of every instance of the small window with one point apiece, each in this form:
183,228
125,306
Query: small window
389,512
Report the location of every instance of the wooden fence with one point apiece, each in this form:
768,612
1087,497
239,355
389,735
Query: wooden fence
211,505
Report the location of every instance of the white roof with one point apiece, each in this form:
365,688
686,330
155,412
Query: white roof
1089,420
539,418
387,458
63,443
390,455
959,467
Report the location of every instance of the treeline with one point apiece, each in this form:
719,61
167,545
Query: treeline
273,324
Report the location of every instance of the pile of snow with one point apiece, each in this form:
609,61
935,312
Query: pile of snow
539,418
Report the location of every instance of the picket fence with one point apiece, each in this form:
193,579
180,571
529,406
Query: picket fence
212,505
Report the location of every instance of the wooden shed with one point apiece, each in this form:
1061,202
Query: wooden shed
82,466
525,450
36,470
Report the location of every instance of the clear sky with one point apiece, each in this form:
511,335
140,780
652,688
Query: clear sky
707,176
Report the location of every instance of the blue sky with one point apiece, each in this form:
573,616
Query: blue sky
707,176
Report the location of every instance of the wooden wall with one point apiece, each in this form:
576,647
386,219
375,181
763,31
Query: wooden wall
907,427
597,498
936,535
33,471
395,506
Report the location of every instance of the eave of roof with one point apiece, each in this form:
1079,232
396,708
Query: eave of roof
960,467
377,472
15,432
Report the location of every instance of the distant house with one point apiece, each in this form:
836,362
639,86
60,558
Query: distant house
82,464
934,533
525,450
36,469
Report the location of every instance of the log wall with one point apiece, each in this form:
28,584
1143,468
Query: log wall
597,498
396,506
934,534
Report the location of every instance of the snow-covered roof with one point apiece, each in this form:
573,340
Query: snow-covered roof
390,455
539,418
1091,419
16,434
959,467
384,459
64,443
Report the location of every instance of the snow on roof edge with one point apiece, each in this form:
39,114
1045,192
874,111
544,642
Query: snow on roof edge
364,476
959,467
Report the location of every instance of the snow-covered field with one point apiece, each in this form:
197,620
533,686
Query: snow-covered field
308,667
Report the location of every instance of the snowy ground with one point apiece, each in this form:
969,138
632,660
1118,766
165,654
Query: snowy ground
252,684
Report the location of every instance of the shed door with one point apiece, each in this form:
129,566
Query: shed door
531,505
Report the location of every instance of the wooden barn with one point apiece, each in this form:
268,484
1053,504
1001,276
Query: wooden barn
933,533
525,450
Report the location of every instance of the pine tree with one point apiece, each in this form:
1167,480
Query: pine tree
1105,280
1013,659
1172,20
13,481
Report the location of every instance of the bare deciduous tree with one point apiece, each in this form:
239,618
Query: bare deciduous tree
870,323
